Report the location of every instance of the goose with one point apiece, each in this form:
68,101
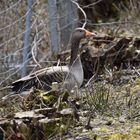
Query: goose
69,75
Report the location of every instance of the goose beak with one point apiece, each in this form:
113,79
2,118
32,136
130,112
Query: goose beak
88,34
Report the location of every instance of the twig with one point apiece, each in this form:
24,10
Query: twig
108,71
92,4
33,48
113,23
90,80
136,71
82,12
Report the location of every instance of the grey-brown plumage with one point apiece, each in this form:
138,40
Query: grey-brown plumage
69,76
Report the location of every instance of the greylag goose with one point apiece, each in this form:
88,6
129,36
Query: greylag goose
69,75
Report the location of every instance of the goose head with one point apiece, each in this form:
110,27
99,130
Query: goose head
80,33
77,35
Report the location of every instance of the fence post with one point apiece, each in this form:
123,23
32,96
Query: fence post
26,38
63,18
68,20
53,24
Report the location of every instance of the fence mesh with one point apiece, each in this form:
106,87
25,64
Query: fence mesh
12,28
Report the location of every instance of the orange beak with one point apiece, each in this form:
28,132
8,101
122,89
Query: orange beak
88,34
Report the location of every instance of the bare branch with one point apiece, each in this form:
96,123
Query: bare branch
82,12
34,48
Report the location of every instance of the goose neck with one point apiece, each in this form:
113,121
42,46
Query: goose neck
74,50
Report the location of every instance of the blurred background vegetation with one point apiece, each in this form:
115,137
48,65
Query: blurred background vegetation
105,16
115,96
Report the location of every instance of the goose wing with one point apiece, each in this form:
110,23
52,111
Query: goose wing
41,79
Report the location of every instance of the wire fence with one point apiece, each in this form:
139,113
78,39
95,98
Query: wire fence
12,27
43,33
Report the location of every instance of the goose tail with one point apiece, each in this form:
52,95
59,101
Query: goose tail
6,88
8,96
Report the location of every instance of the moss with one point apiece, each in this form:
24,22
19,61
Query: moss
50,127
116,136
136,130
119,136
25,131
56,126
104,130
